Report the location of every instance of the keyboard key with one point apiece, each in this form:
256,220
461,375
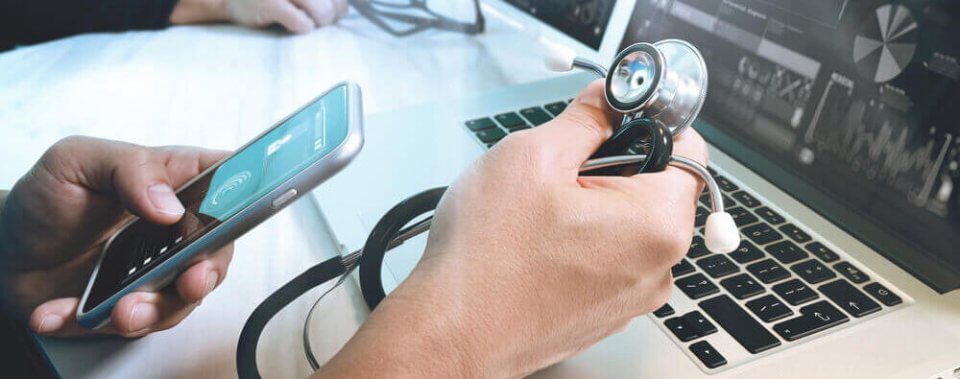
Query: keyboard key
491,135
741,216
769,215
795,292
745,199
682,268
536,115
696,286
769,308
768,271
795,233
747,252
849,298
742,286
850,272
707,354
725,184
480,124
786,252
701,216
879,292
697,248
680,329
762,234
813,271
511,121
718,265
664,311
556,108
699,324
739,324
822,252
727,200
814,318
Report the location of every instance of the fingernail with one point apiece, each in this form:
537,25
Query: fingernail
212,278
163,198
50,323
142,316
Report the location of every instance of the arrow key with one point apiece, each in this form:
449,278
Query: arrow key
849,298
815,317
707,354
680,329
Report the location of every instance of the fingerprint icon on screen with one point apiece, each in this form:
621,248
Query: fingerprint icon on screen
230,189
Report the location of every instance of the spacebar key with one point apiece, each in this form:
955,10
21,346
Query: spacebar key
744,328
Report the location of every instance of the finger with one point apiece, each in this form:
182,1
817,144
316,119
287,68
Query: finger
57,318
342,8
321,11
677,185
140,313
135,174
292,18
201,278
577,132
185,163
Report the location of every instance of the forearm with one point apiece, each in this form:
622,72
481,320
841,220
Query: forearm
199,12
24,22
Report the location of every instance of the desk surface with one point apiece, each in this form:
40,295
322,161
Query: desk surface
217,87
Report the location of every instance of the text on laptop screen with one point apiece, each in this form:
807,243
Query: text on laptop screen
857,99
583,20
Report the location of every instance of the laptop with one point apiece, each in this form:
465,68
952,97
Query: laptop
833,135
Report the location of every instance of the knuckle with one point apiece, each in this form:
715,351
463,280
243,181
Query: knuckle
586,119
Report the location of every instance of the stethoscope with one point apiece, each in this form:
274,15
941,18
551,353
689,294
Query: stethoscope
659,88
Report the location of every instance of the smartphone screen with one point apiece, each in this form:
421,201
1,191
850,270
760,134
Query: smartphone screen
221,193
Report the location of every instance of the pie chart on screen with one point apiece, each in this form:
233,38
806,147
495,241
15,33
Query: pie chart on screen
886,42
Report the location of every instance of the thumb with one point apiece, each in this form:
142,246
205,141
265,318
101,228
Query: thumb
580,130
136,175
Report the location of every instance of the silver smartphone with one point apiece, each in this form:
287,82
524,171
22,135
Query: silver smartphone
228,199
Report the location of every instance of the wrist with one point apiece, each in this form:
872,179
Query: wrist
411,334
199,12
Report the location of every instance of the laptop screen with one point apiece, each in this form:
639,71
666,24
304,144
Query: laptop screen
583,20
850,106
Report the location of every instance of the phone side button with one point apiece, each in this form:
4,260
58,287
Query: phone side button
284,198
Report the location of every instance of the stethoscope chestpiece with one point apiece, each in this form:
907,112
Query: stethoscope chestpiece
665,81
634,78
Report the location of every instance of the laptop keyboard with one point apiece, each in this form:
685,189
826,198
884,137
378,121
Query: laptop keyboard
779,288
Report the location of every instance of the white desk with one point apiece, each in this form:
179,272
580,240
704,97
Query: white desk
217,87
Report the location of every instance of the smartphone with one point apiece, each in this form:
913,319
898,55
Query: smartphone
228,199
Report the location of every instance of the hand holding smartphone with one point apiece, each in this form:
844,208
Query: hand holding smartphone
230,198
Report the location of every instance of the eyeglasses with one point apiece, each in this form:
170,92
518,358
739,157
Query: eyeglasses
402,18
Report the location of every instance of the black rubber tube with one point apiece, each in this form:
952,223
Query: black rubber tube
371,262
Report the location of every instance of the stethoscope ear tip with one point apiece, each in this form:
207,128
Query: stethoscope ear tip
557,57
721,234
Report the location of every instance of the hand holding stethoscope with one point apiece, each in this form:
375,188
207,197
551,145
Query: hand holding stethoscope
660,89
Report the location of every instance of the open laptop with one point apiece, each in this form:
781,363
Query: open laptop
833,133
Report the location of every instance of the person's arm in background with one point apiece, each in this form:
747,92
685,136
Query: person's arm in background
24,22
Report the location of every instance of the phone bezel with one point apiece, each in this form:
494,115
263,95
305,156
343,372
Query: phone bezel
239,223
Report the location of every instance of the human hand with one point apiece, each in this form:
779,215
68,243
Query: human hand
528,263
57,218
297,16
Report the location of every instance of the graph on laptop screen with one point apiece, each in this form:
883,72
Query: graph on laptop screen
584,20
858,99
